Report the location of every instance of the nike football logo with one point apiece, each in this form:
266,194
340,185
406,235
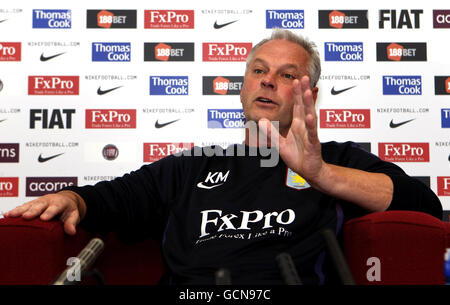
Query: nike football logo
336,92
395,125
45,58
42,159
219,26
101,92
158,125
201,185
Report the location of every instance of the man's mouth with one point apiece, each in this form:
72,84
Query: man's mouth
265,100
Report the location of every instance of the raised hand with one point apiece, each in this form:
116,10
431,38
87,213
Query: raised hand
300,147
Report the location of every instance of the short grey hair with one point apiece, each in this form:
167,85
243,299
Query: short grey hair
310,47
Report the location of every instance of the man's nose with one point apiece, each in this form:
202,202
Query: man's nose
268,81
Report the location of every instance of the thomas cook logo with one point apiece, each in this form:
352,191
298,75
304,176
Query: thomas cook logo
295,181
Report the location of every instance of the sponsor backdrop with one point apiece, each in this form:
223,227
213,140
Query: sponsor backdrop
90,92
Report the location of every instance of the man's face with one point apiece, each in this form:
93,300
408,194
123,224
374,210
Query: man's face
267,91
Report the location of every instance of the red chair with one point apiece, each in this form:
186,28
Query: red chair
34,252
410,248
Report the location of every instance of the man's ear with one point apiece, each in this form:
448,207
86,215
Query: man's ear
315,91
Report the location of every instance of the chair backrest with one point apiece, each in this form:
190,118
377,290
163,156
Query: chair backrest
396,247
34,252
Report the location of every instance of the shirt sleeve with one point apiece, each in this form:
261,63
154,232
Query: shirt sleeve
135,205
409,193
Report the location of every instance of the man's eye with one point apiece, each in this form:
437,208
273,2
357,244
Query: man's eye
288,76
258,71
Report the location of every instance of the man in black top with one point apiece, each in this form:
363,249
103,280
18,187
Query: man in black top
226,210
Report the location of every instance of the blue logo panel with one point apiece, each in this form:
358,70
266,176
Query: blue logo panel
287,19
52,19
111,51
402,85
169,85
445,116
226,118
344,51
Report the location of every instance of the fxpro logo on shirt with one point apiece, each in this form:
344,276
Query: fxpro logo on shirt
216,225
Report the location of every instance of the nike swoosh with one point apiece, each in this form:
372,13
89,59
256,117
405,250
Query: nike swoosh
101,92
336,92
219,26
3,120
45,58
395,125
201,185
158,125
41,159
3,20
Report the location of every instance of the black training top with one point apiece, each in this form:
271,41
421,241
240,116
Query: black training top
229,211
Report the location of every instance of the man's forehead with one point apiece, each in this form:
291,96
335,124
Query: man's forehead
287,65
281,51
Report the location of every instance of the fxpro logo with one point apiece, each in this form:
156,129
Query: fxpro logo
344,51
287,19
344,118
404,152
343,19
39,186
111,19
401,51
168,51
222,85
169,85
226,118
402,85
445,117
213,221
443,186
52,19
168,19
110,118
111,51
53,85
9,186
227,51
156,151
10,51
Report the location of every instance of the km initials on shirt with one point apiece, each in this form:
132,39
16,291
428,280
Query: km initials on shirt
213,179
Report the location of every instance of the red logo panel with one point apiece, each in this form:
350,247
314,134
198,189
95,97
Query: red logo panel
156,151
9,186
169,19
110,118
213,51
404,152
10,51
53,85
345,118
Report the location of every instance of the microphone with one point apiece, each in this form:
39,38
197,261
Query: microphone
338,257
86,258
287,269
223,277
